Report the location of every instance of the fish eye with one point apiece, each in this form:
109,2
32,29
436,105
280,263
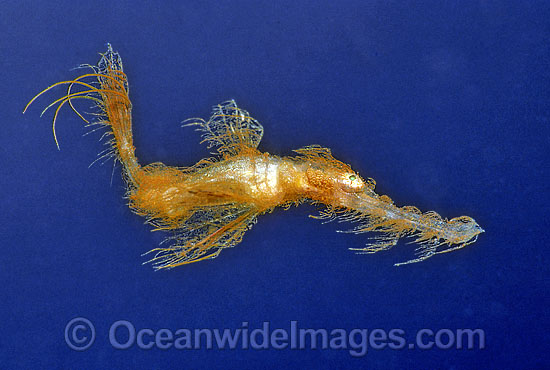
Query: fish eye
351,183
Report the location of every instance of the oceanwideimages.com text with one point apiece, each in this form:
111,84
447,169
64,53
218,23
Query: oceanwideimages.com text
80,335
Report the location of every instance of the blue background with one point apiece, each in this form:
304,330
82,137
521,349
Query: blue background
445,104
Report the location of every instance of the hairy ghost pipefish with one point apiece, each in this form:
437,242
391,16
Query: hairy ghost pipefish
210,205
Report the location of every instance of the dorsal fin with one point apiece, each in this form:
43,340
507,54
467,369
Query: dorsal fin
230,128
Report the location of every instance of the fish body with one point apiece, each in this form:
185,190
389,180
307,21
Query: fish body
209,206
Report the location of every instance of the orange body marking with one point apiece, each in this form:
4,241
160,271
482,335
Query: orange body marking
210,205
